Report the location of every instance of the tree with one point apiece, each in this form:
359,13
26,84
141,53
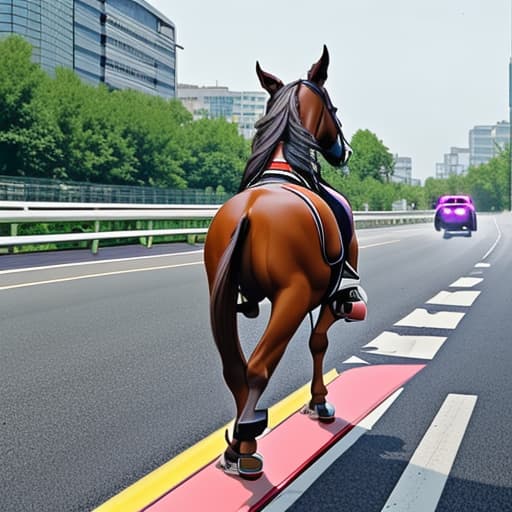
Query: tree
371,158
28,137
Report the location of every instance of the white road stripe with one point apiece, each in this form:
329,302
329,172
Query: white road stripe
417,347
483,265
97,262
460,298
355,360
466,282
302,483
424,478
439,320
102,274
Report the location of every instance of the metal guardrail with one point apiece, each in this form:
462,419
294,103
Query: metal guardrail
14,213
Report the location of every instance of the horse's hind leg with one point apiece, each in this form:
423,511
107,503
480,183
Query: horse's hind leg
288,310
318,407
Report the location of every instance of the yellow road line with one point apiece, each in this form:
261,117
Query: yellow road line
158,482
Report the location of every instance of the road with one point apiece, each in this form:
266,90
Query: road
108,370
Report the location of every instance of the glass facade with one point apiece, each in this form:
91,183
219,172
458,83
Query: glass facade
46,24
122,43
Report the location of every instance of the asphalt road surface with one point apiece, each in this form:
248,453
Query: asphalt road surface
108,369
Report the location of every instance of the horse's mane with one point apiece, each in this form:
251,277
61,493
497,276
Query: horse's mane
282,123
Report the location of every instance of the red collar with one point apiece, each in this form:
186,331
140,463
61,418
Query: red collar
277,165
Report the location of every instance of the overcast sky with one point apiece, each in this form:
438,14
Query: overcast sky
418,74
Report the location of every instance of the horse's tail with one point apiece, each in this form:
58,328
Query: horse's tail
223,302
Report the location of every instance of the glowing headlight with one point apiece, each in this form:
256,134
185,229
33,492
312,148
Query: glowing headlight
460,211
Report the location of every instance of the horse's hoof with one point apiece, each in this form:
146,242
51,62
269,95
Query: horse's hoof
322,412
246,466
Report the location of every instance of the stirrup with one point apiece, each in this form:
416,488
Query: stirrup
322,412
349,304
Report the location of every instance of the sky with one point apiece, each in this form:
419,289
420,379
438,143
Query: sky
418,74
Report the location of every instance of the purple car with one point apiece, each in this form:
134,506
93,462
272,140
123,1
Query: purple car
455,213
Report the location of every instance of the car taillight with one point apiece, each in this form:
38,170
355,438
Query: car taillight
447,210
460,211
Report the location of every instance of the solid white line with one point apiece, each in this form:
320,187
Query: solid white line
301,484
101,274
460,298
424,478
82,263
376,244
489,252
482,265
441,319
397,345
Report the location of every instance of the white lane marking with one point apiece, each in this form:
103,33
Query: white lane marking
459,298
97,262
494,245
422,318
417,347
466,282
482,265
424,478
355,360
306,479
101,274
376,244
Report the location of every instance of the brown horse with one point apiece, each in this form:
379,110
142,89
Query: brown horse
279,239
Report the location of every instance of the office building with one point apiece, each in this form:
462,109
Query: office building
454,162
402,170
486,141
46,24
243,108
126,44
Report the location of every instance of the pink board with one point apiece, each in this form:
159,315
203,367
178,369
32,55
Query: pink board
290,448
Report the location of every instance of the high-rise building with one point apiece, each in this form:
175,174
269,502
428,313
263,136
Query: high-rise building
402,170
243,108
122,43
486,141
454,162
46,24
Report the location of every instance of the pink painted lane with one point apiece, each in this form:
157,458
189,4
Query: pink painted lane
290,448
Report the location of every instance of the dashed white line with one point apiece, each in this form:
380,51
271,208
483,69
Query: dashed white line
441,319
424,478
466,282
459,298
397,345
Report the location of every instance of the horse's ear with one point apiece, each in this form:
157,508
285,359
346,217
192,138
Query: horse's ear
269,82
318,71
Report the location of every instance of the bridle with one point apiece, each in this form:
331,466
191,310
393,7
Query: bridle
339,153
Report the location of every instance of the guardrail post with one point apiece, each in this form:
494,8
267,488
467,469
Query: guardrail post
96,243
150,238
14,232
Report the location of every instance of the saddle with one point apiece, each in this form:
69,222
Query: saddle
342,290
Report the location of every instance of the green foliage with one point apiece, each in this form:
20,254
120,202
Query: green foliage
371,159
63,128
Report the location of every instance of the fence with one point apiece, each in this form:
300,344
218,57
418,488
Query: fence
15,213
14,188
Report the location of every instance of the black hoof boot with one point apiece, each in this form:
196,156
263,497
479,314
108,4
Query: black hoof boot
251,428
248,309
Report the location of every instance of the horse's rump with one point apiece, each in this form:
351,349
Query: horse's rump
283,241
